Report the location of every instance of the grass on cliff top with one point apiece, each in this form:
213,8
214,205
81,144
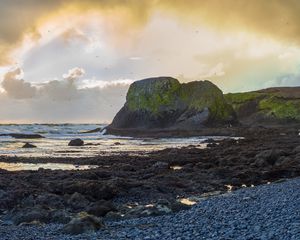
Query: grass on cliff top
280,108
269,104
236,98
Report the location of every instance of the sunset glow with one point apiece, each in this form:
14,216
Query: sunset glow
240,46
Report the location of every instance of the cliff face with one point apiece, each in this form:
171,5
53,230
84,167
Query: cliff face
163,102
268,106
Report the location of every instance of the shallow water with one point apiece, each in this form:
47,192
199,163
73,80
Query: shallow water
51,166
57,137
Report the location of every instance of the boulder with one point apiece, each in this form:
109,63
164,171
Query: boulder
29,215
77,201
83,223
76,142
60,216
164,103
100,208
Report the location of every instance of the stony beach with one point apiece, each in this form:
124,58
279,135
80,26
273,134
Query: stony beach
269,211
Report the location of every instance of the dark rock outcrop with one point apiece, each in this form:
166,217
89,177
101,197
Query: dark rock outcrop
22,135
164,103
96,130
28,145
76,142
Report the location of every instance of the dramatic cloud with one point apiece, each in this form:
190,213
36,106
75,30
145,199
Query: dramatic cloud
74,74
275,18
60,100
240,45
17,88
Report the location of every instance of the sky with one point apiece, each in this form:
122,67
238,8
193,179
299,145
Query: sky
73,61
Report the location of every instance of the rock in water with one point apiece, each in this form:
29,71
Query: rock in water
23,135
93,130
160,103
76,142
28,145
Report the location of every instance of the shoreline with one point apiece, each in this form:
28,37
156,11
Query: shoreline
159,178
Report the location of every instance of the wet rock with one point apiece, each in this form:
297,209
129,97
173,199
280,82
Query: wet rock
93,130
117,143
28,145
76,142
268,157
28,215
60,216
83,223
23,136
100,208
50,200
77,201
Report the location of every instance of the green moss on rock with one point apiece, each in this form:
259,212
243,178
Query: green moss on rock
201,94
153,94
163,94
280,108
165,103
274,104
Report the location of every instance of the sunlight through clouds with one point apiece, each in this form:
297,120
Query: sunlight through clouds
117,42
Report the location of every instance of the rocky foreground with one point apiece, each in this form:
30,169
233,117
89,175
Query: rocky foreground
263,212
128,186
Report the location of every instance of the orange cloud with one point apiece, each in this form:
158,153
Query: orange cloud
274,18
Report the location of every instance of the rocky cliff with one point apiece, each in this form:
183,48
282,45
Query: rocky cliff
268,106
164,103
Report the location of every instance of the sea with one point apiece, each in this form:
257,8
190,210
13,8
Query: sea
57,136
